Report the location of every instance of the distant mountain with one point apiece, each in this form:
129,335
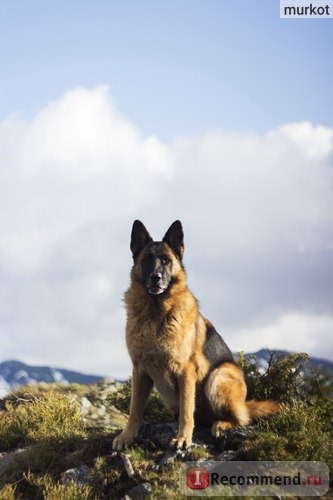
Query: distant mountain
14,374
262,358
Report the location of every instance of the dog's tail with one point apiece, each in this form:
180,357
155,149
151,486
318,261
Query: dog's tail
259,409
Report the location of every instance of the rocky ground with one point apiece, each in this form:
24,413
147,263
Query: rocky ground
98,412
82,465
150,468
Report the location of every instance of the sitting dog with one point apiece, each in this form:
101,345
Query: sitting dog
174,348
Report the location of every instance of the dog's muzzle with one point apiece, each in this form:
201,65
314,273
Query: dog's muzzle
155,283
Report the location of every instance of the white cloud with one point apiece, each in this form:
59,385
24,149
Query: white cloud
257,213
291,331
315,143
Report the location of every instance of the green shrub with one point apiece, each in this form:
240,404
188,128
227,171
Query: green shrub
283,380
298,432
319,383
52,416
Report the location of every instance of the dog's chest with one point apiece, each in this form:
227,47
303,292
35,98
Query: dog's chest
157,346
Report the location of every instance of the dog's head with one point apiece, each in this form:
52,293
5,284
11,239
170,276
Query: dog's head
157,263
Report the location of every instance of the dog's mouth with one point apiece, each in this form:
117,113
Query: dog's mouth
155,289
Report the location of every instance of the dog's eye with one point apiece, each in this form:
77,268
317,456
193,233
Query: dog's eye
165,259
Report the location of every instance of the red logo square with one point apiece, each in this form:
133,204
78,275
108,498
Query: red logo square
197,478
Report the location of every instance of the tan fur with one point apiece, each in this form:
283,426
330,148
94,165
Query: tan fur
258,409
166,345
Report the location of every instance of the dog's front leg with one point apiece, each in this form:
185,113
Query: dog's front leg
187,383
141,387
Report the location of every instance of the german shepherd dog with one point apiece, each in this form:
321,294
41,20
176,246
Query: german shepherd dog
173,347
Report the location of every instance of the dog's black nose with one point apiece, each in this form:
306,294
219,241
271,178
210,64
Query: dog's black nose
155,277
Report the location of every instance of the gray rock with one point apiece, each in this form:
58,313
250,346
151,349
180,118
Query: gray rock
127,464
8,460
170,457
225,456
79,475
140,491
160,434
84,405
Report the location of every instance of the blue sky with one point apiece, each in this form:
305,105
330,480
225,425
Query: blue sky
215,112
174,67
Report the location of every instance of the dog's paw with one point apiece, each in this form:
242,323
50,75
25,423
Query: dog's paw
219,427
123,440
181,442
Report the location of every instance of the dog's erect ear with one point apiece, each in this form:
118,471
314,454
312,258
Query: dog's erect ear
139,238
174,237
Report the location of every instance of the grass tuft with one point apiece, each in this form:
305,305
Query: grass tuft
53,416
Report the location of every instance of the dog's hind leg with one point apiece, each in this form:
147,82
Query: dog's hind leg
225,389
